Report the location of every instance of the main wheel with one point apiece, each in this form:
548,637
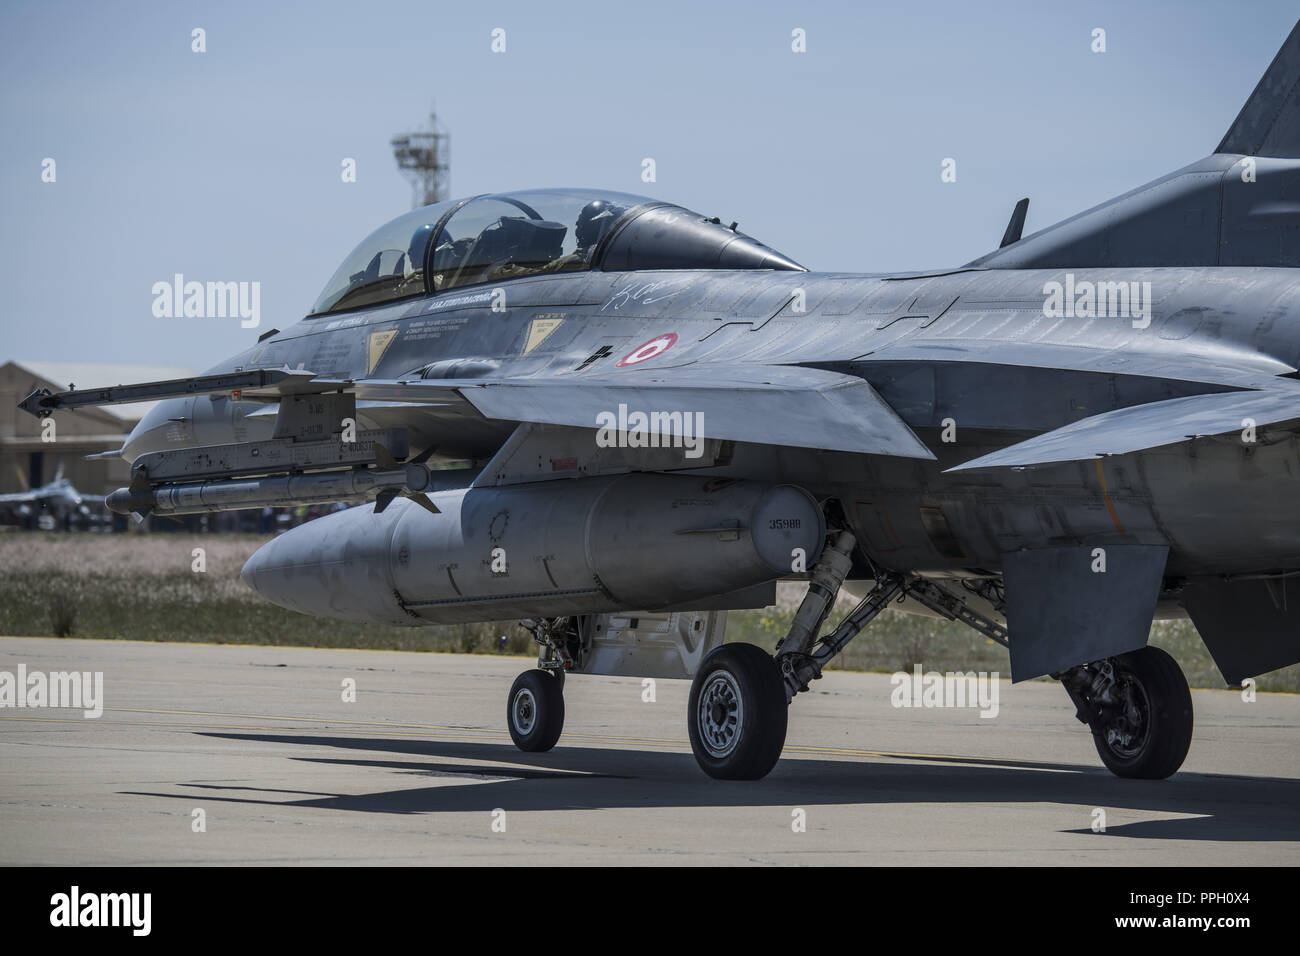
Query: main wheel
535,711
737,713
1145,733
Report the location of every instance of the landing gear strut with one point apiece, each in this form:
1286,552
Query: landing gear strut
740,695
1139,709
803,654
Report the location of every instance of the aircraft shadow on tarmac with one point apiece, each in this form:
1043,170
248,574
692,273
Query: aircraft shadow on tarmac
1221,807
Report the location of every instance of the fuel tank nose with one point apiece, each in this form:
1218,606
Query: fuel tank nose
545,549
335,566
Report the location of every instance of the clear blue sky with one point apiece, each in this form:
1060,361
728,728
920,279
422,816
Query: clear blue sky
225,165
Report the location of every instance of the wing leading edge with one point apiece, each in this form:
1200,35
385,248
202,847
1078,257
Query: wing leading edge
1153,425
774,405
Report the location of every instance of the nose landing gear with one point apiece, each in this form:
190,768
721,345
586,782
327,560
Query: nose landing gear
535,711
535,707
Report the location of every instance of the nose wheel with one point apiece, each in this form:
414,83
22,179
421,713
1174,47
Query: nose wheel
737,713
535,710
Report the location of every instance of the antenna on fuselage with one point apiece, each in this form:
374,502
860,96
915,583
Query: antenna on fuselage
1017,224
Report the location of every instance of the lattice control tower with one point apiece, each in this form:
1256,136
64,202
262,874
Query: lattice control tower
424,158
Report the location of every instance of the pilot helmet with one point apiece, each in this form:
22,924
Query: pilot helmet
595,217
417,246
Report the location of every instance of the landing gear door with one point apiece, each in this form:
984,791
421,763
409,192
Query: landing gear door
641,644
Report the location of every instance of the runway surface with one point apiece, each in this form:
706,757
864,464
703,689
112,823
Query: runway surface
419,768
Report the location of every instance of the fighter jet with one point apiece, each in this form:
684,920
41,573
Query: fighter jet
58,497
658,417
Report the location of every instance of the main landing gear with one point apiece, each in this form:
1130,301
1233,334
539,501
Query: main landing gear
1139,709
1137,705
739,699
738,711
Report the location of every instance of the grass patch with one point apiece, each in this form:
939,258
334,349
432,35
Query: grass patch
142,587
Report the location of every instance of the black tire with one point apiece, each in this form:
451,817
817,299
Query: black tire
737,713
535,711
1157,746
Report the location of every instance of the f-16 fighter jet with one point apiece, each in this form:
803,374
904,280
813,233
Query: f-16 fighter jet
58,496
1084,430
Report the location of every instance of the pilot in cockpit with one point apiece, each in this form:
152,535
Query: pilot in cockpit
594,221
410,268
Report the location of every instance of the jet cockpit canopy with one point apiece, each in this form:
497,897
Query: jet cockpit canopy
497,237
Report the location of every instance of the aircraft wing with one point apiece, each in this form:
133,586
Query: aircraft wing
775,405
770,404
31,497
1153,425
19,498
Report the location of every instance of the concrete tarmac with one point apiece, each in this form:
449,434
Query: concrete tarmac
419,769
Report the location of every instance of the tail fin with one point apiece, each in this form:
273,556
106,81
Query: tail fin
1269,123
1236,207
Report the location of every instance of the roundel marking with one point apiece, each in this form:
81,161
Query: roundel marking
656,346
